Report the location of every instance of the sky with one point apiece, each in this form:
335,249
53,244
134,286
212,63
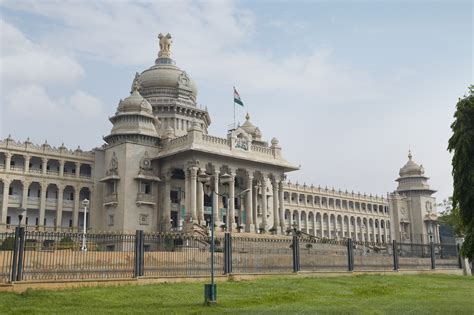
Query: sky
348,87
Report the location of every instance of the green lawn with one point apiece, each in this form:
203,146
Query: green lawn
366,294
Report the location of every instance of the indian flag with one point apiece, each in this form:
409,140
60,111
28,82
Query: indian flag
237,98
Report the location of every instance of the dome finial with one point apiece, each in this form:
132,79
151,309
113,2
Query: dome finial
165,46
409,155
247,117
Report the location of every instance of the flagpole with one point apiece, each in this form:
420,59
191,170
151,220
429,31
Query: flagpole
234,115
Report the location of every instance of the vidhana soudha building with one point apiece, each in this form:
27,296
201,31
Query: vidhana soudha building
145,177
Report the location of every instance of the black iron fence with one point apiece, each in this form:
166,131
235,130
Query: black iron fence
35,255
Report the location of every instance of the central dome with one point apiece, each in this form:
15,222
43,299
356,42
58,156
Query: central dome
166,74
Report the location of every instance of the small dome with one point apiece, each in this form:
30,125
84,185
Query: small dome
134,103
247,126
411,168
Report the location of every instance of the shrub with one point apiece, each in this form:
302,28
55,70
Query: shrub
8,243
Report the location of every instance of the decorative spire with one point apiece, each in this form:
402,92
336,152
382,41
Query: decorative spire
135,83
165,46
409,155
247,117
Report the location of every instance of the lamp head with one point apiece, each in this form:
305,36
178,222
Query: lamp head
203,177
20,211
85,202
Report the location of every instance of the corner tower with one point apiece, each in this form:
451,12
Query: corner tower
414,207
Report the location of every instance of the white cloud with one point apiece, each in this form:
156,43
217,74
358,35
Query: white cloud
34,101
24,62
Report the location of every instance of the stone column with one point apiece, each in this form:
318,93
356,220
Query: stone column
231,203
8,161
59,207
6,190
193,179
44,162
187,199
314,224
75,213
166,215
264,204
200,203
78,169
254,207
282,207
276,215
26,168
249,223
24,200
215,199
42,211
61,168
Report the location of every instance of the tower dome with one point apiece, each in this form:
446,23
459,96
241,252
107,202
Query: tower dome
412,178
133,120
411,168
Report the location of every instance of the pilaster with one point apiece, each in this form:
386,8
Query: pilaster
276,214
231,203
75,213
6,189
59,208
42,210
215,199
249,224
264,203
26,168
282,209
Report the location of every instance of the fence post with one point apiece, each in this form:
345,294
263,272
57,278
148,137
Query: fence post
141,270
227,253
350,255
458,252
135,269
296,253
21,253
15,255
395,255
139,254
432,252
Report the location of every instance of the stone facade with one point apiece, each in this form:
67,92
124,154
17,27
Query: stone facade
145,176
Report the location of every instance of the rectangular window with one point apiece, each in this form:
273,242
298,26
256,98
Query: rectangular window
26,220
10,191
44,222
111,219
9,219
146,188
36,221
174,196
70,223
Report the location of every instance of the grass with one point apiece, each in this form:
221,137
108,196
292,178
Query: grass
365,294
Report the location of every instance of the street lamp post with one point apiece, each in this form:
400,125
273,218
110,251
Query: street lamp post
85,203
20,212
209,289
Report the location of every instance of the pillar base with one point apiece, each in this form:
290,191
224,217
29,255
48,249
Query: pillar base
250,228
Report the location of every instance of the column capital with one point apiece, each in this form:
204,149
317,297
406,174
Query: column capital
6,181
44,160
27,157
7,154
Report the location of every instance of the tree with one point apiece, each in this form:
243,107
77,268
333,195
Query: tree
451,217
461,144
